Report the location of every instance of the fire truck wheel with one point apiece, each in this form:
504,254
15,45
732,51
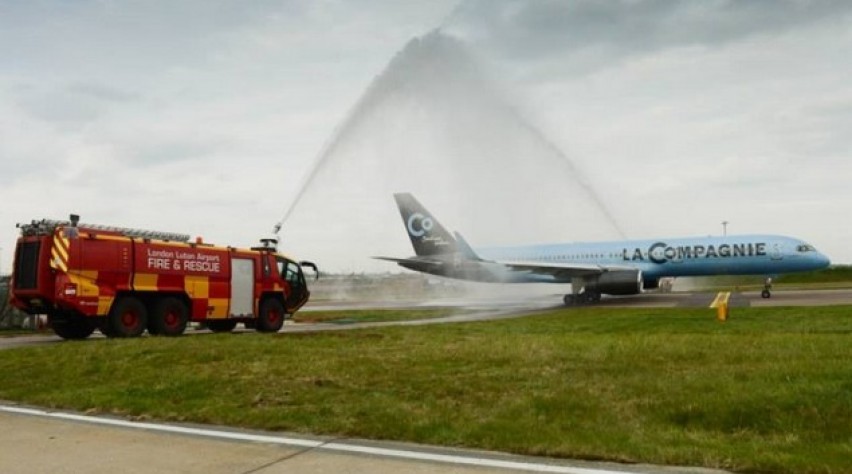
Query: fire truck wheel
271,316
72,327
128,318
168,318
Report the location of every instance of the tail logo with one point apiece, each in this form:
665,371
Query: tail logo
418,225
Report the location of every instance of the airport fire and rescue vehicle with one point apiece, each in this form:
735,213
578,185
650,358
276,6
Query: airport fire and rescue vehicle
123,281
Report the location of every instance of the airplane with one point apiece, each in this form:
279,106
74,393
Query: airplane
626,267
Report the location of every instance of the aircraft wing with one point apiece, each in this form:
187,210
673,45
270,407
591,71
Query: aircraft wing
561,270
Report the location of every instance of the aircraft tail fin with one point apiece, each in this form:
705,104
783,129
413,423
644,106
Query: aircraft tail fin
427,235
464,249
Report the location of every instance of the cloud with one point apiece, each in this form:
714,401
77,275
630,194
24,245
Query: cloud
197,116
595,33
72,105
203,116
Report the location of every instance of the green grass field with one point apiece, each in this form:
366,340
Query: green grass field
768,391
836,276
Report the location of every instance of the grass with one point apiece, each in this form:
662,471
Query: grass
371,315
833,274
768,391
836,276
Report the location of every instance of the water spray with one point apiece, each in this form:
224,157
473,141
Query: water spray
432,121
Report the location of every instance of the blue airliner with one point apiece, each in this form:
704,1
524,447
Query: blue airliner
625,267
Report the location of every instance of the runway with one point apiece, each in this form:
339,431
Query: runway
822,297
520,301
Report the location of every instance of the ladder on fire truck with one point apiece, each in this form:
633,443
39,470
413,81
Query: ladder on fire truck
48,226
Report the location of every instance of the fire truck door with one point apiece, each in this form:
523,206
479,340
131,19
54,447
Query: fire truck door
298,289
242,286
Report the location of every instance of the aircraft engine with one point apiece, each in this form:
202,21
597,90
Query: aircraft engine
619,282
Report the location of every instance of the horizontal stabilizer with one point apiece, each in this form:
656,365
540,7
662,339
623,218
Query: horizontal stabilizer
412,261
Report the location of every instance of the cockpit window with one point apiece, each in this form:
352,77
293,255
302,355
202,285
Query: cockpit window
805,248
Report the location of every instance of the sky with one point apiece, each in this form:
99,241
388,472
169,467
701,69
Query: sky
206,117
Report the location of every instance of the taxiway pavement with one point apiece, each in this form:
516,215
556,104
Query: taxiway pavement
38,441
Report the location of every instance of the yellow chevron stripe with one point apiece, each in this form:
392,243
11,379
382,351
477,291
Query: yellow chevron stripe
722,297
61,249
59,252
57,262
61,239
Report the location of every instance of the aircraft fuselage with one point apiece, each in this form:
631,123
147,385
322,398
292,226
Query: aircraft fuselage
700,256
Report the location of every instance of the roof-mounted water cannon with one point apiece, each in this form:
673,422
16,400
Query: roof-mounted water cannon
270,243
71,232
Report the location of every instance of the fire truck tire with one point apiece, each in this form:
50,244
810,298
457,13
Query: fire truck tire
271,316
223,325
128,318
72,327
168,318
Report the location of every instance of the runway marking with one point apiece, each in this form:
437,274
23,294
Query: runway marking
306,443
722,297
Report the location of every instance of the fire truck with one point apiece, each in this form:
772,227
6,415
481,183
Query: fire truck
124,281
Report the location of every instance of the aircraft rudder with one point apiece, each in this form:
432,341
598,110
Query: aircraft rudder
428,236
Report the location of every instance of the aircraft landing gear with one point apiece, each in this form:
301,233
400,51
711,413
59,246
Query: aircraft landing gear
586,297
767,287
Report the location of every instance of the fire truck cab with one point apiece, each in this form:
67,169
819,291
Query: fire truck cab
126,281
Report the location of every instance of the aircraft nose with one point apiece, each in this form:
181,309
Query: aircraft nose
822,260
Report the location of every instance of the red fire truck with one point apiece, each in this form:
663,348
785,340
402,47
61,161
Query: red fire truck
124,281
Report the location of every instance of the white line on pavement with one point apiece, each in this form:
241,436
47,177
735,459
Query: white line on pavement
307,443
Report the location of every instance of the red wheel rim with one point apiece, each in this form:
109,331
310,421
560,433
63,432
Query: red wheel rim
129,319
172,319
273,316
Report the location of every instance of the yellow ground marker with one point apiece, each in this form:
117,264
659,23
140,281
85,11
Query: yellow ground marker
721,305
